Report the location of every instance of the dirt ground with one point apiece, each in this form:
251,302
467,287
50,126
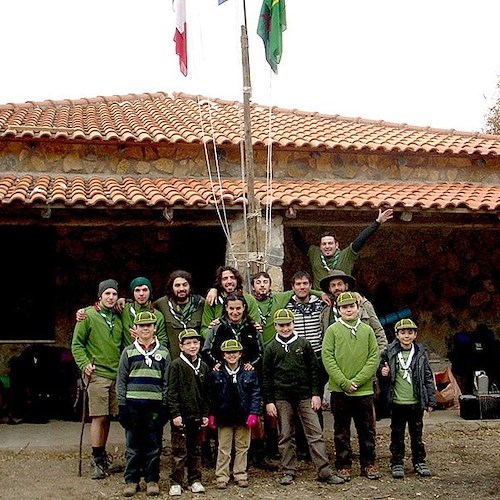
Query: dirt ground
464,457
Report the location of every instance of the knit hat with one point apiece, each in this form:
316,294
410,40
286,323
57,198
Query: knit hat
141,281
231,345
346,298
283,316
145,318
336,274
189,333
405,324
104,285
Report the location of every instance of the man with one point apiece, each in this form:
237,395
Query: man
227,280
334,284
181,308
142,291
96,346
328,256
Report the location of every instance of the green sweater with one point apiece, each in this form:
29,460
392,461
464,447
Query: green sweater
292,375
350,358
128,317
345,263
99,340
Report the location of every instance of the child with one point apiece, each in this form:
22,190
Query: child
188,405
235,405
411,391
142,396
351,357
292,387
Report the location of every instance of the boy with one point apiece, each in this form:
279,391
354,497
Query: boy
351,357
96,346
411,391
188,405
235,406
291,384
142,397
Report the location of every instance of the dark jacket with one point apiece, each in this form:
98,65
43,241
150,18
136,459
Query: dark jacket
221,399
187,394
250,339
422,379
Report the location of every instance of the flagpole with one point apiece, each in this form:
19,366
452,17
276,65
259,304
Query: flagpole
253,213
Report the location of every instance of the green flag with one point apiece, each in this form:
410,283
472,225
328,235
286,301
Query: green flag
272,22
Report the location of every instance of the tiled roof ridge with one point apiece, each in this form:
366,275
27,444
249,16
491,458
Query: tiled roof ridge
50,103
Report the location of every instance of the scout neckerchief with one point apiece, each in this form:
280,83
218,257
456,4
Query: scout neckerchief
232,373
195,367
405,365
330,267
109,322
237,329
147,354
183,313
304,308
264,316
148,306
353,328
286,343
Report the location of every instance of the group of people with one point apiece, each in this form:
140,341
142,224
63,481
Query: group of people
249,367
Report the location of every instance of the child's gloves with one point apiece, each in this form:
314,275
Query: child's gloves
124,417
252,420
211,422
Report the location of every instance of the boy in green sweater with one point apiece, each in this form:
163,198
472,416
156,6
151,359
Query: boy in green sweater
351,358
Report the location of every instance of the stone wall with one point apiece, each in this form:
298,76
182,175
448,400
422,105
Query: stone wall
188,160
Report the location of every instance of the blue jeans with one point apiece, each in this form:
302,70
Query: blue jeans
143,440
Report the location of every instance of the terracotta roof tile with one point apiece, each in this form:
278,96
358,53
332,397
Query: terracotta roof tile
160,117
94,191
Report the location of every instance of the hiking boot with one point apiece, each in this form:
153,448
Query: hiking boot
370,472
286,479
333,479
398,471
197,487
345,474
98,468
109,466
242,483
130,489
422,470
221,484
152,489
175,490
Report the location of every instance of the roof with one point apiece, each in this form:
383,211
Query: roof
180,118
94,191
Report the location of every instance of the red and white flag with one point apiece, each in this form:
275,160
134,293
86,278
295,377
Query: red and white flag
180,37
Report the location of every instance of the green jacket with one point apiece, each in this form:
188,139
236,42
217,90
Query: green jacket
175,321
350,358
128,317
100,341
292,375
216,311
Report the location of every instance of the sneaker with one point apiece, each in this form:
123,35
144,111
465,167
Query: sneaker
398,471
98,468
152,489
286,479
333,479
242,483
130,489
345,474
422,470
175,490
109,466
221,484
197,487
370,472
